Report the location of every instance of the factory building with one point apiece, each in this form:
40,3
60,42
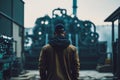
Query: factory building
11,37
12,22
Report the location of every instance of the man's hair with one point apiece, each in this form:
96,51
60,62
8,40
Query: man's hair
59,28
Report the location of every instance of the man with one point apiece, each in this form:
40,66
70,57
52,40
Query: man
59,59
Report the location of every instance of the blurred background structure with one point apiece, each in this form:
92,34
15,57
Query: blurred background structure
20,45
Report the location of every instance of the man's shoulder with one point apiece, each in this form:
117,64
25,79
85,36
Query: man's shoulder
71,47
47,46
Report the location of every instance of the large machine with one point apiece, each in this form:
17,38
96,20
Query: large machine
81,33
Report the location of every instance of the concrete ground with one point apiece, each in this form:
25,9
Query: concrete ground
84,75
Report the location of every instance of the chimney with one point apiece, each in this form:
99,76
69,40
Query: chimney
75,7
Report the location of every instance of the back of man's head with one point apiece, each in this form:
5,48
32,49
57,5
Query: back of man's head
59,29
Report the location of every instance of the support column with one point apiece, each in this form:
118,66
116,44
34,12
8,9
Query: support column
119,28
118,54
114,54
113,36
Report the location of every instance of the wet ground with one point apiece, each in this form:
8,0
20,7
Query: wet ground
84,75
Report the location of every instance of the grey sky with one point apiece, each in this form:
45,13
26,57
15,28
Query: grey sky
95,10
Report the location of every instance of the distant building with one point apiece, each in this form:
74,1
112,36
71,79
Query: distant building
12,22
105,34
28,31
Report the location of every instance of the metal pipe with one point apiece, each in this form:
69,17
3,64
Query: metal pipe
46,37
76,40
70,38
75,7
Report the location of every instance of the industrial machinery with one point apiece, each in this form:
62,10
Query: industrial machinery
8,59
81,33
6,55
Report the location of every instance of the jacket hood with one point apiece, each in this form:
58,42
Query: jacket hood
59,42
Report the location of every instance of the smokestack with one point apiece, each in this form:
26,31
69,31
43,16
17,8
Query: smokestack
75,7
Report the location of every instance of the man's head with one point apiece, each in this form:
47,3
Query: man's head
59,29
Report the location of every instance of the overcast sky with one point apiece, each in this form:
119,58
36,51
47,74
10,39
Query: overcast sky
94,10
